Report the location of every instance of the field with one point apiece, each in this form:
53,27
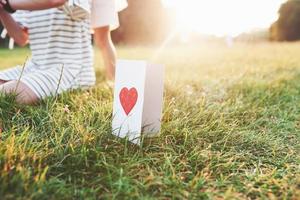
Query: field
231,130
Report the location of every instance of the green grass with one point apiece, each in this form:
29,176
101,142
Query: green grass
231,130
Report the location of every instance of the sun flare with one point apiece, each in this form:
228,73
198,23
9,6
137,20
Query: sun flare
220,18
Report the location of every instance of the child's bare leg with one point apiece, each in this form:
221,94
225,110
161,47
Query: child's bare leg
24,94
104,42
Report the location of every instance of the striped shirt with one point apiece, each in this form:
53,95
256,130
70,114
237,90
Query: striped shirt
62,55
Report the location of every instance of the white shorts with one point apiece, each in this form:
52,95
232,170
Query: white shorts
105,13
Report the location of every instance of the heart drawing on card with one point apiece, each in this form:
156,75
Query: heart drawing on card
128,99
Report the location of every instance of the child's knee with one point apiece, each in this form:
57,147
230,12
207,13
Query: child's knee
24,95
7,87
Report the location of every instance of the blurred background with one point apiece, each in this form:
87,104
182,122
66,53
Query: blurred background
184,21
150,22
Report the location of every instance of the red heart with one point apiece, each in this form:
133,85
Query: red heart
128,99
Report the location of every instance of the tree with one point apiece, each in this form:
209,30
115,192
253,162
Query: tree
287,27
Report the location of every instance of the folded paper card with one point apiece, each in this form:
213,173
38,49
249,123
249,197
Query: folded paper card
138,99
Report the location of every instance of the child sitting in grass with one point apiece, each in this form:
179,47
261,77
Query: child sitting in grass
60,43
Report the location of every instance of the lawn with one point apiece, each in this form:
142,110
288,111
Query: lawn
231,130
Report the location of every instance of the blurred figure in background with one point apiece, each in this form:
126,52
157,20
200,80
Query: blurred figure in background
105,19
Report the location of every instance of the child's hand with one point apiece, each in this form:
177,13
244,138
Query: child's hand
5,6
2,2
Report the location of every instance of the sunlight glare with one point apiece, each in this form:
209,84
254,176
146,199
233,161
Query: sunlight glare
223,17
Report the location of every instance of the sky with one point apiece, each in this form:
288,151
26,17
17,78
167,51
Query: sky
224,17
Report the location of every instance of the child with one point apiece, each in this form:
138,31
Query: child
60,43
104,19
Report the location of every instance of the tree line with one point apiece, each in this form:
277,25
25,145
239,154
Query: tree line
287,27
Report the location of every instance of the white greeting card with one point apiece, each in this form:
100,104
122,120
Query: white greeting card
138,99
